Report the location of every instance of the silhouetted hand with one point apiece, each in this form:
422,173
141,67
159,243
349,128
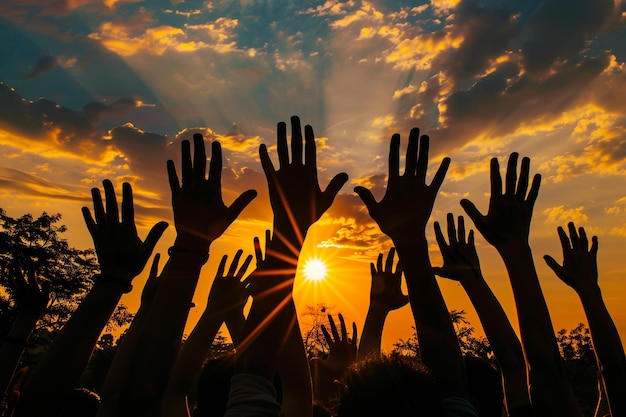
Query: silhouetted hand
121,254
228,293
342,350
386,291
258,252
29,295
200,215
295,194
407,204
509,214
460,260
580,265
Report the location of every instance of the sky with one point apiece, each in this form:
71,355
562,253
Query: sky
95,89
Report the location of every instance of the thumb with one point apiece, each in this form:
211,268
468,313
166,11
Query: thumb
367,197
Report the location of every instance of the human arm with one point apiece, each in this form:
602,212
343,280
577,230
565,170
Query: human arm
461,263
200,217
385,296
227,298
31,301
297,202
580,272
109,394
402,214
506,226
121,256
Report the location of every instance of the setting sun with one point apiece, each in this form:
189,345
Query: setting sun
314,270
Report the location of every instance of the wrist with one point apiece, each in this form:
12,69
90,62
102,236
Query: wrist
192,243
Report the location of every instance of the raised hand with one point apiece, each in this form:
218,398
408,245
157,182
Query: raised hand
407,204
509,214
30,296
200,215
121,253
228,293
342,350
460,260
386,291
580,264
295,194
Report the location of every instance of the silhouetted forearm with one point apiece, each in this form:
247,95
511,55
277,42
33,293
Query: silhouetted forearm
608,348
439,347
60,369
550,391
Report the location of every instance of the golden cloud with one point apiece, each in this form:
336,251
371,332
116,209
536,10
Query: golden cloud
560,215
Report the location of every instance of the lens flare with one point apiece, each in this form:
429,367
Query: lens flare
314,270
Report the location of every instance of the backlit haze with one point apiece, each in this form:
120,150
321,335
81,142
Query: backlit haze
96,89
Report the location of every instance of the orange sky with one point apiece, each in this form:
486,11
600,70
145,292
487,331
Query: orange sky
97,89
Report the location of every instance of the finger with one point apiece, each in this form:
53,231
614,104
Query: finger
422,158
154,269
281,145
473,213
389,263
244,267
98,207
91,224
451,229
461,232
511,174
310,153
379,263
266,162
584,242
553,264
240,203
524,173
258,254
441,241
440,175
268,237
534,191
235,262
333,188
573,235
594,246
411,152
112,213
496,179
344,331
372,269
199,158
215,167
296,141
398,272
394,156
153,237
355,338
470,239
565,243
128,209
221,267
185,147
366,197
172,177
333,328
329,339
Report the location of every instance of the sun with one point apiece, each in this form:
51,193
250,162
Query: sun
314,270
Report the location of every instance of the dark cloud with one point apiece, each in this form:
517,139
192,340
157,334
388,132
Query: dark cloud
486,34
45,64
560,30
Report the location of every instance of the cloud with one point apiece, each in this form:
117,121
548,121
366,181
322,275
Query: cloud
45,64
560,215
